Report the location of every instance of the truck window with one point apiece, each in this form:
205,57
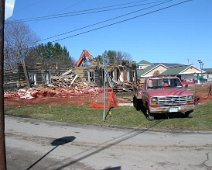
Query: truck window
155,83
172,83
163,83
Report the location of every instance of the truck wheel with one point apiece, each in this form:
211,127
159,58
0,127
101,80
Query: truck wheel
189,114
136,103
149,115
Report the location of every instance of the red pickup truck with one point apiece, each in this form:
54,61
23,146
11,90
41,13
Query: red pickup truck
163,95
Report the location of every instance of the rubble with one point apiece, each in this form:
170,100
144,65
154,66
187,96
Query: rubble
69,79
123,87
79,86
56,95
64,80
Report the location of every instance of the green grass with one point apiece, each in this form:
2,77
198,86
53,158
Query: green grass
121,116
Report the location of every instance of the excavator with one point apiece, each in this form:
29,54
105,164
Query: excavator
83,58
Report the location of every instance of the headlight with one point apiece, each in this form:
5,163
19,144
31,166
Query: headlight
190,97
154,101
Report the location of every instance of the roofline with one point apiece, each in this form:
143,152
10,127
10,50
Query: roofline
154,68
189,67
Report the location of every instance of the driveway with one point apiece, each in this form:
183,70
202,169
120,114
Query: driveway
37,144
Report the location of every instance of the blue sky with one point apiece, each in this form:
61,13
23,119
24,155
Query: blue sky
180,34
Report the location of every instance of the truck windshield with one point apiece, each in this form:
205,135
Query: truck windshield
164,83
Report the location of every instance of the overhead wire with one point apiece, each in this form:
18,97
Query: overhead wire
107,20
88,11
115,23
122,21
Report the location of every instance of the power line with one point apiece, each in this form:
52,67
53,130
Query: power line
104,21
87,11
74,12
125,20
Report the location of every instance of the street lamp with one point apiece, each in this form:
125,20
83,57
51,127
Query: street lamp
202,72
201,67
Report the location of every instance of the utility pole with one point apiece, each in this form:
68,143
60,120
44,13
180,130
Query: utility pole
105,62
2,123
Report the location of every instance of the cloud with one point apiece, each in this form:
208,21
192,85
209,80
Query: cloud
9,6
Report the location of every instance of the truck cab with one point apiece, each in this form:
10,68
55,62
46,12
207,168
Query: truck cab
164,95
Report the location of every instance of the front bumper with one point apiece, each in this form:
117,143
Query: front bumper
172,109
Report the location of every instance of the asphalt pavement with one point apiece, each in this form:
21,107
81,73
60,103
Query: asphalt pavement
38,144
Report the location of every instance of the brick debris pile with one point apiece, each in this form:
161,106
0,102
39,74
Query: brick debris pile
70,79
52,95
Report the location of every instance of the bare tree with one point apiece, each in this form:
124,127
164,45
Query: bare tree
116,57
123,56
18,40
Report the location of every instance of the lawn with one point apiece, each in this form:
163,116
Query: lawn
120,116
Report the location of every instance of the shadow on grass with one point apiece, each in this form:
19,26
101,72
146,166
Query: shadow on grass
57,142
169,116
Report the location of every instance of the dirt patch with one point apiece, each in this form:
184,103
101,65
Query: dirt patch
78,97
82,97
203,93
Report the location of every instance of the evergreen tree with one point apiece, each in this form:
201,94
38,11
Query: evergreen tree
50,56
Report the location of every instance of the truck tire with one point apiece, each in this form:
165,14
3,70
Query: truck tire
189,114
137,103
149,115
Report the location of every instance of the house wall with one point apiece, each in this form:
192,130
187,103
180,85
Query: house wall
11,80
209,77
160,69
187,77
125,72
35,77
115,73
99,77
188,74
133,75
84,74
121,76
191,70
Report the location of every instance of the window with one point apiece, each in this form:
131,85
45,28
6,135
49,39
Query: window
91,76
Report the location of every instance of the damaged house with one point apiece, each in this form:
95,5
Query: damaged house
93,71
86,72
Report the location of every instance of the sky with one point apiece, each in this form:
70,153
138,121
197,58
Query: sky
159,31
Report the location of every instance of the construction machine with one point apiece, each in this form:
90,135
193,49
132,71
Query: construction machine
83,58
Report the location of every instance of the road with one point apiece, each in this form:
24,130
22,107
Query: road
37,144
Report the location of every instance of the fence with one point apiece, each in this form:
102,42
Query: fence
93,97
202,91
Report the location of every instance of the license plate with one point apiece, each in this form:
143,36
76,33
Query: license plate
173,109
